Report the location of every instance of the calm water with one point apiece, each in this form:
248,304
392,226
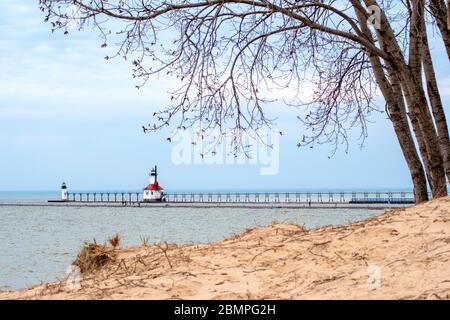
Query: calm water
39,243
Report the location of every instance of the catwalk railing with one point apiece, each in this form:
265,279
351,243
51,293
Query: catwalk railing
376,197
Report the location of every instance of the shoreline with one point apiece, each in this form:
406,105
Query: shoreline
211,205
402,254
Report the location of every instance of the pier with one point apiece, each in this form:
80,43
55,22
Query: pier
350,199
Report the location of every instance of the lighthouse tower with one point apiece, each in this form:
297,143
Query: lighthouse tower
64,192
153,192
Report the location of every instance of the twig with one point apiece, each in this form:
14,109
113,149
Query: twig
164,250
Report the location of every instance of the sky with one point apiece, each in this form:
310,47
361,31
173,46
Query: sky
67,114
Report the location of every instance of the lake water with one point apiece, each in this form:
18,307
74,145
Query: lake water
38,244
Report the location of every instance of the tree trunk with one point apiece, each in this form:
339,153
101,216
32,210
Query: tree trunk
436,104
441,14
418,105
396,107
401,87
401,126
417,131
419,111
415,65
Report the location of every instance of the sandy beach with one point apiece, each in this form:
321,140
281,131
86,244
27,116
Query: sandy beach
402,254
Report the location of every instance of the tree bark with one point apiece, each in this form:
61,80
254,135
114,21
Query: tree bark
441,13
419,103
399,119
436,103
416,127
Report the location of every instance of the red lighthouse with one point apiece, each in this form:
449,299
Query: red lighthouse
153,192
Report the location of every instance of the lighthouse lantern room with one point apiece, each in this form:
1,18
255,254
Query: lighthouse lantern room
153,192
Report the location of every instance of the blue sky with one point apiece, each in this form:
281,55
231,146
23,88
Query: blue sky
68,114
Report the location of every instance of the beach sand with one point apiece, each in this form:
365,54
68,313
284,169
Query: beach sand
403,254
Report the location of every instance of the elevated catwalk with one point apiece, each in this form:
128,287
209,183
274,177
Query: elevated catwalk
371,200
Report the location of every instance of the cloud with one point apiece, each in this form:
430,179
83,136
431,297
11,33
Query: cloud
46,74
42,48
13,6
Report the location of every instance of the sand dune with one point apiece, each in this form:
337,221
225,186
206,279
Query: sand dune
403,254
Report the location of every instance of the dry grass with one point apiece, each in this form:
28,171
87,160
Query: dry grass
145,241
92,256
114,241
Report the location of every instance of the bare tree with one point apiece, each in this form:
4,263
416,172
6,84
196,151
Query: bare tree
226,53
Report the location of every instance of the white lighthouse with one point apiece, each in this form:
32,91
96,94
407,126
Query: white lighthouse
153,192
64,193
